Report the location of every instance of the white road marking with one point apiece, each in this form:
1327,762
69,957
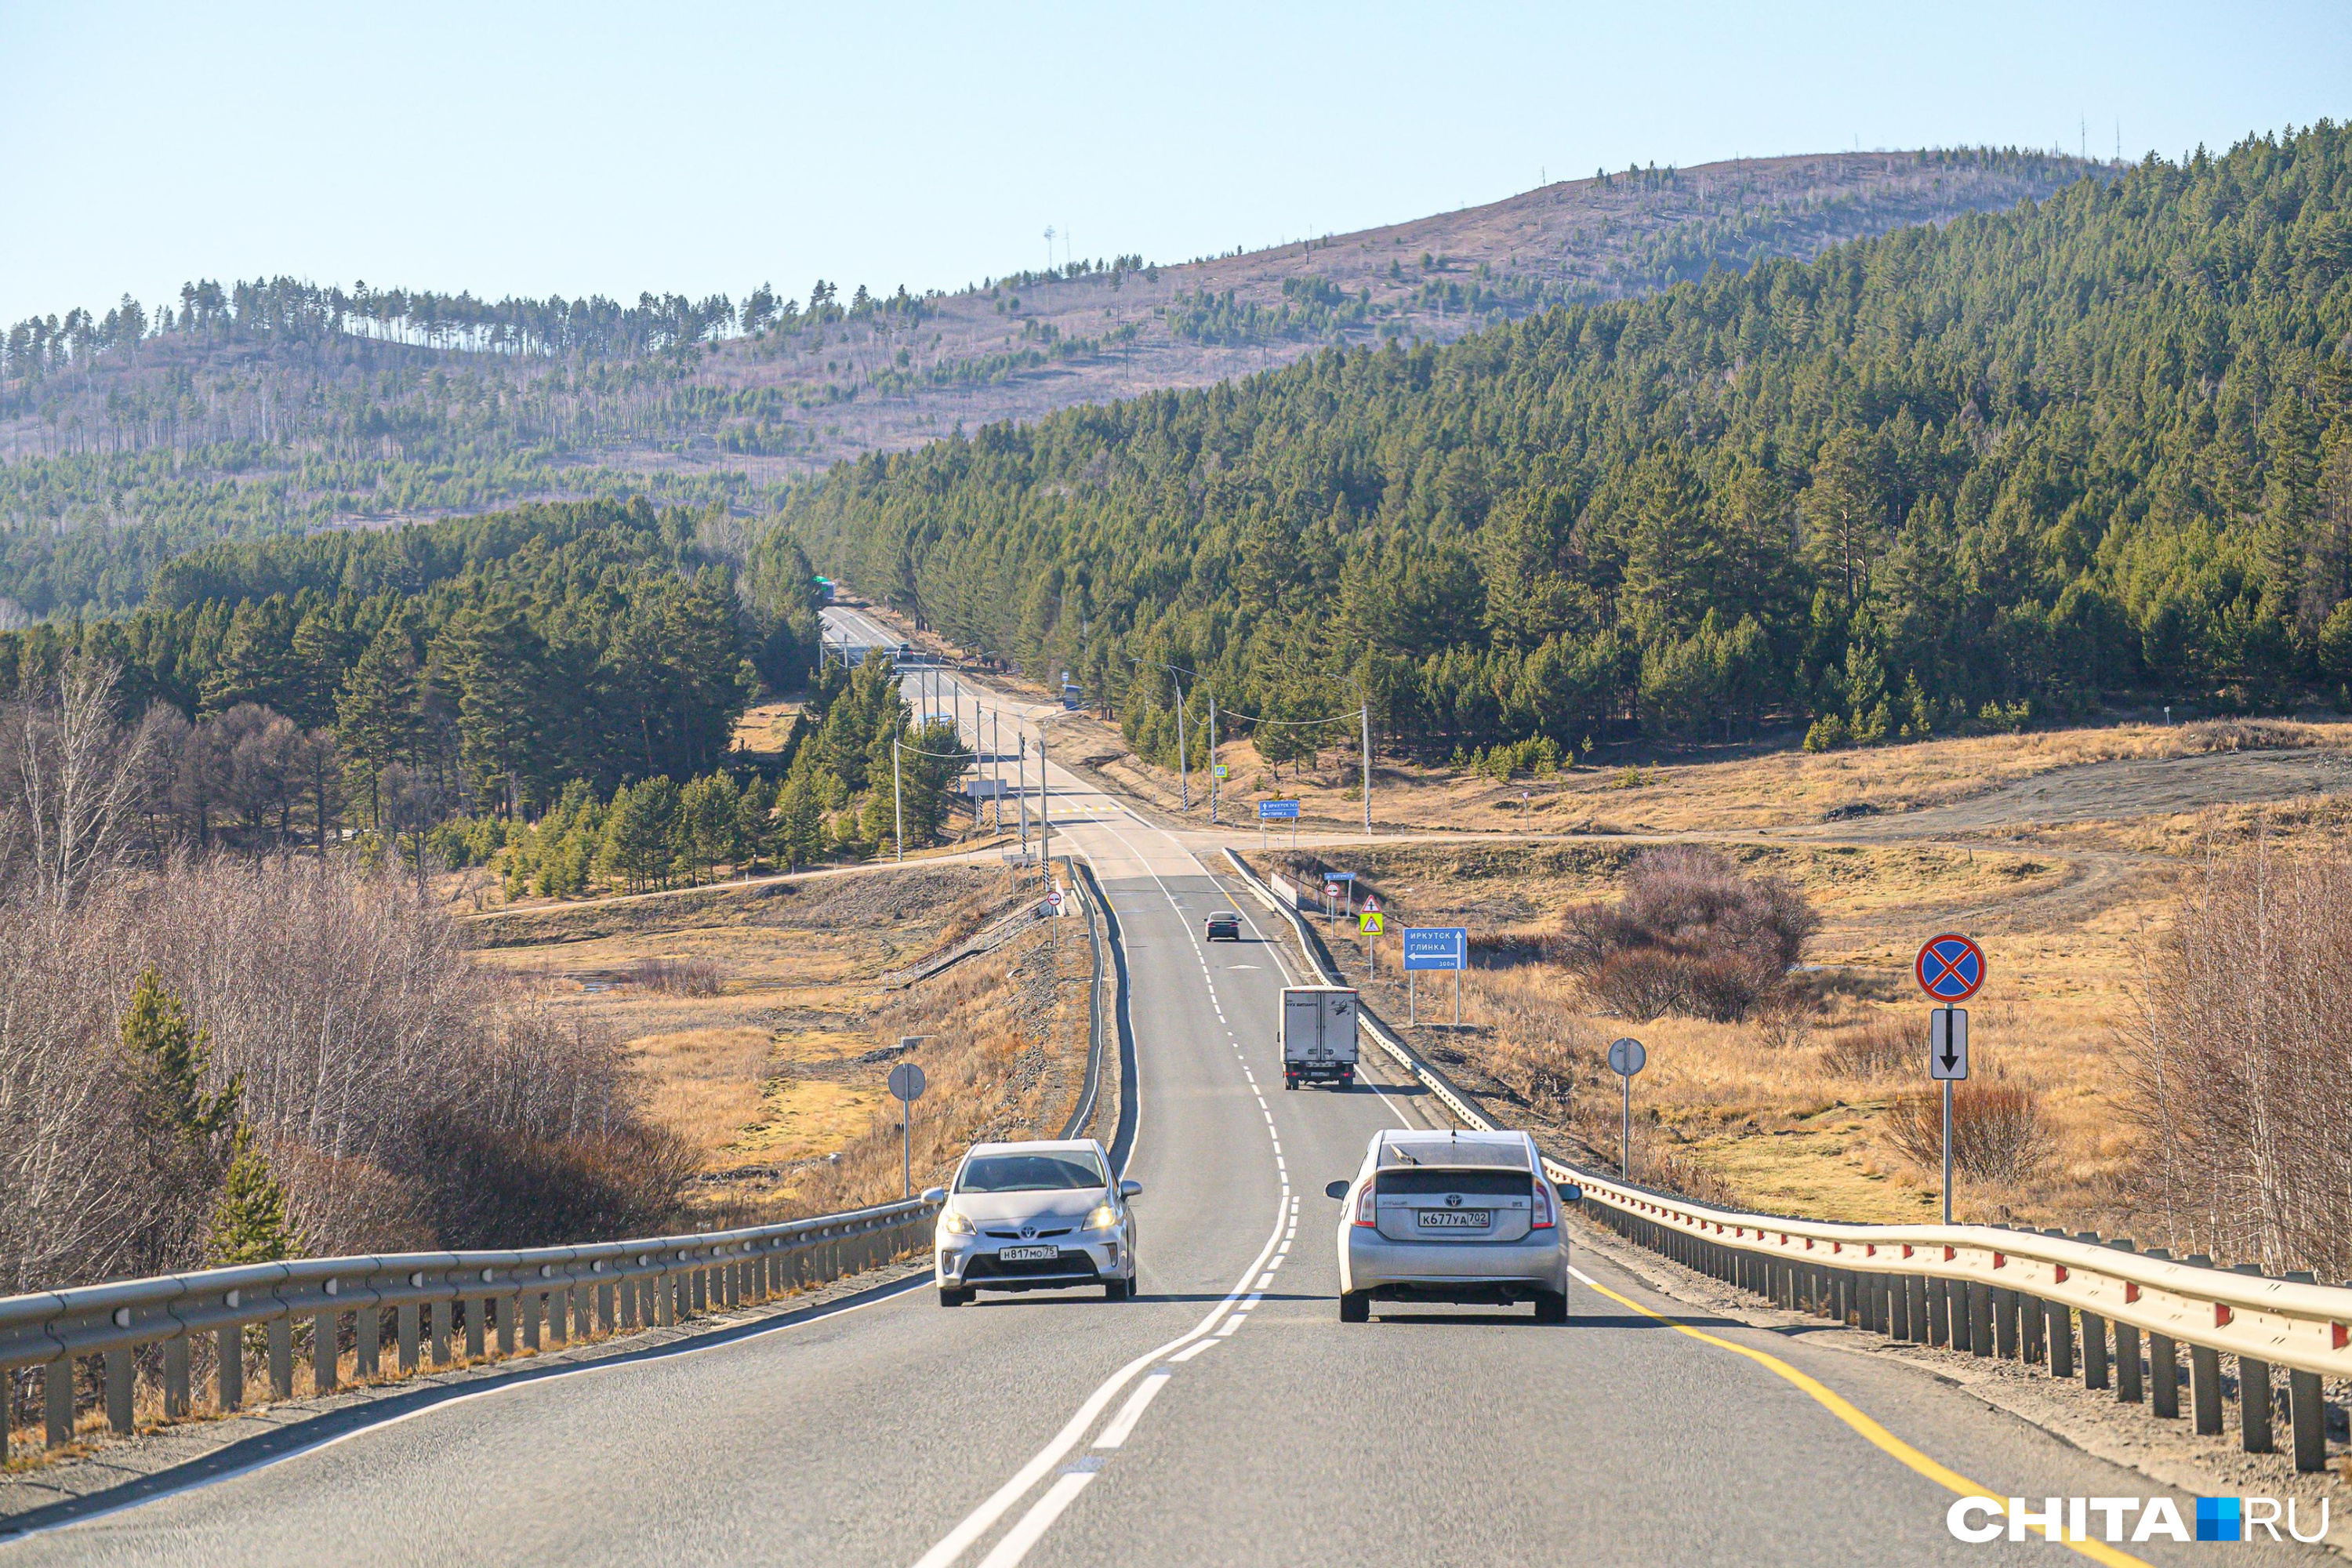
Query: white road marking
1185,1355
1037,1521
1132,1411
982,1519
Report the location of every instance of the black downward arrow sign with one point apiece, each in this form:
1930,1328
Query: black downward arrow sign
1950,1061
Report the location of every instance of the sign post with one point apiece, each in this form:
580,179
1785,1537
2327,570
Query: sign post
1277,811
1369,922
1626,1057
1436,947
907,1085
1949,968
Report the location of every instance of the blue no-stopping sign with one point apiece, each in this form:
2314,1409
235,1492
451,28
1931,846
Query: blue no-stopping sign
1950,968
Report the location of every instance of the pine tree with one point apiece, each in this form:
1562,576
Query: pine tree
799,825
376,710
249,1219
168,1056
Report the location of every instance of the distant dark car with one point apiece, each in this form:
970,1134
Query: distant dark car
1226,924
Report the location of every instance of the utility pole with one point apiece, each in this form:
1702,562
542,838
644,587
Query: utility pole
996,774
1021,785
1213,756
1184,763
1366,714
898,801
1045,812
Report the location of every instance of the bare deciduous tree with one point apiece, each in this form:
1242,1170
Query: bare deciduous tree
71,779
2243,1080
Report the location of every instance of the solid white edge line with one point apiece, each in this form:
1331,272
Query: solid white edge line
982,1519
550,1374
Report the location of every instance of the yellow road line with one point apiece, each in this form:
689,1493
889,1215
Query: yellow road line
1879,1437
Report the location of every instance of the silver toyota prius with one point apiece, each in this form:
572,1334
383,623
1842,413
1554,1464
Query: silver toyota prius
1452,1216
1035,1216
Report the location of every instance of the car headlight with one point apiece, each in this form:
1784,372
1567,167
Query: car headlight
954,1224
1103,1218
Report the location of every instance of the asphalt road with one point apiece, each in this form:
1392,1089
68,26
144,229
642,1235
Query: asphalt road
1226,1416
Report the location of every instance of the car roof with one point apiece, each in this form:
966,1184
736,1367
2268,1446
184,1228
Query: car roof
1224,914
1507,1151
1041,1146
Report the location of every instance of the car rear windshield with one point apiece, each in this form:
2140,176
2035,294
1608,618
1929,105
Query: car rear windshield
1029,1173
1488,1183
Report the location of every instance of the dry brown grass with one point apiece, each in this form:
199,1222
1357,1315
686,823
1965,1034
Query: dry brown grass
1789,1110
756,1020
1714,790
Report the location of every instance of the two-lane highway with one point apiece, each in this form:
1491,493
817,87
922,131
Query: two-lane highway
1226,1416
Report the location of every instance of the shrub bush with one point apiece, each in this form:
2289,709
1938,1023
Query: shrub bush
1880,1046
1997,1133
1691,935
676,976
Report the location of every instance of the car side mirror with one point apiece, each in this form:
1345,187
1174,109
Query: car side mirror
1571,1194
935,1194
1337,1190
1130,1189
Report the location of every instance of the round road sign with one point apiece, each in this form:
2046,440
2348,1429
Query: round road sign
1950,968
907,1082
1626,1057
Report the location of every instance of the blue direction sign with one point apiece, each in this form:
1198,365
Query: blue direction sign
1277,811
1950,968
1437,947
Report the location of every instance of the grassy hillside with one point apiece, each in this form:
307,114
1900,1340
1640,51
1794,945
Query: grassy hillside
1941,479
130,435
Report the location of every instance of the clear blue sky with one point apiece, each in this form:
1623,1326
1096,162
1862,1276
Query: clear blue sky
589,148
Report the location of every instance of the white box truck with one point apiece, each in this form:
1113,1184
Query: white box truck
1318,1034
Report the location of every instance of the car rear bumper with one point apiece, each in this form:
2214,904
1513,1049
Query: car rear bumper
972,1263
1325,1068
1453,1270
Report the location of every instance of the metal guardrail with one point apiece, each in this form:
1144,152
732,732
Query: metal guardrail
1088,899
499,1301
2038,1296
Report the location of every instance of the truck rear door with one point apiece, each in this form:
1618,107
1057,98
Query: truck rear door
1302,1027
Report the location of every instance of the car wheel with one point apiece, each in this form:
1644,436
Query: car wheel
1355,1307
953,1298
1552,1307
1116,1289
1290,1082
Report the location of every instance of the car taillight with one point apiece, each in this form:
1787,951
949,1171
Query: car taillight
1364,1206
1543,1220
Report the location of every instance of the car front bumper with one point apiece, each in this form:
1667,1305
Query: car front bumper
971,1261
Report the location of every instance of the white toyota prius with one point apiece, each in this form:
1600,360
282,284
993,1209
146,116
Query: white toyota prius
1035,1216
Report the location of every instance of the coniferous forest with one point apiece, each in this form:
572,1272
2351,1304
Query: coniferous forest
2082,451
